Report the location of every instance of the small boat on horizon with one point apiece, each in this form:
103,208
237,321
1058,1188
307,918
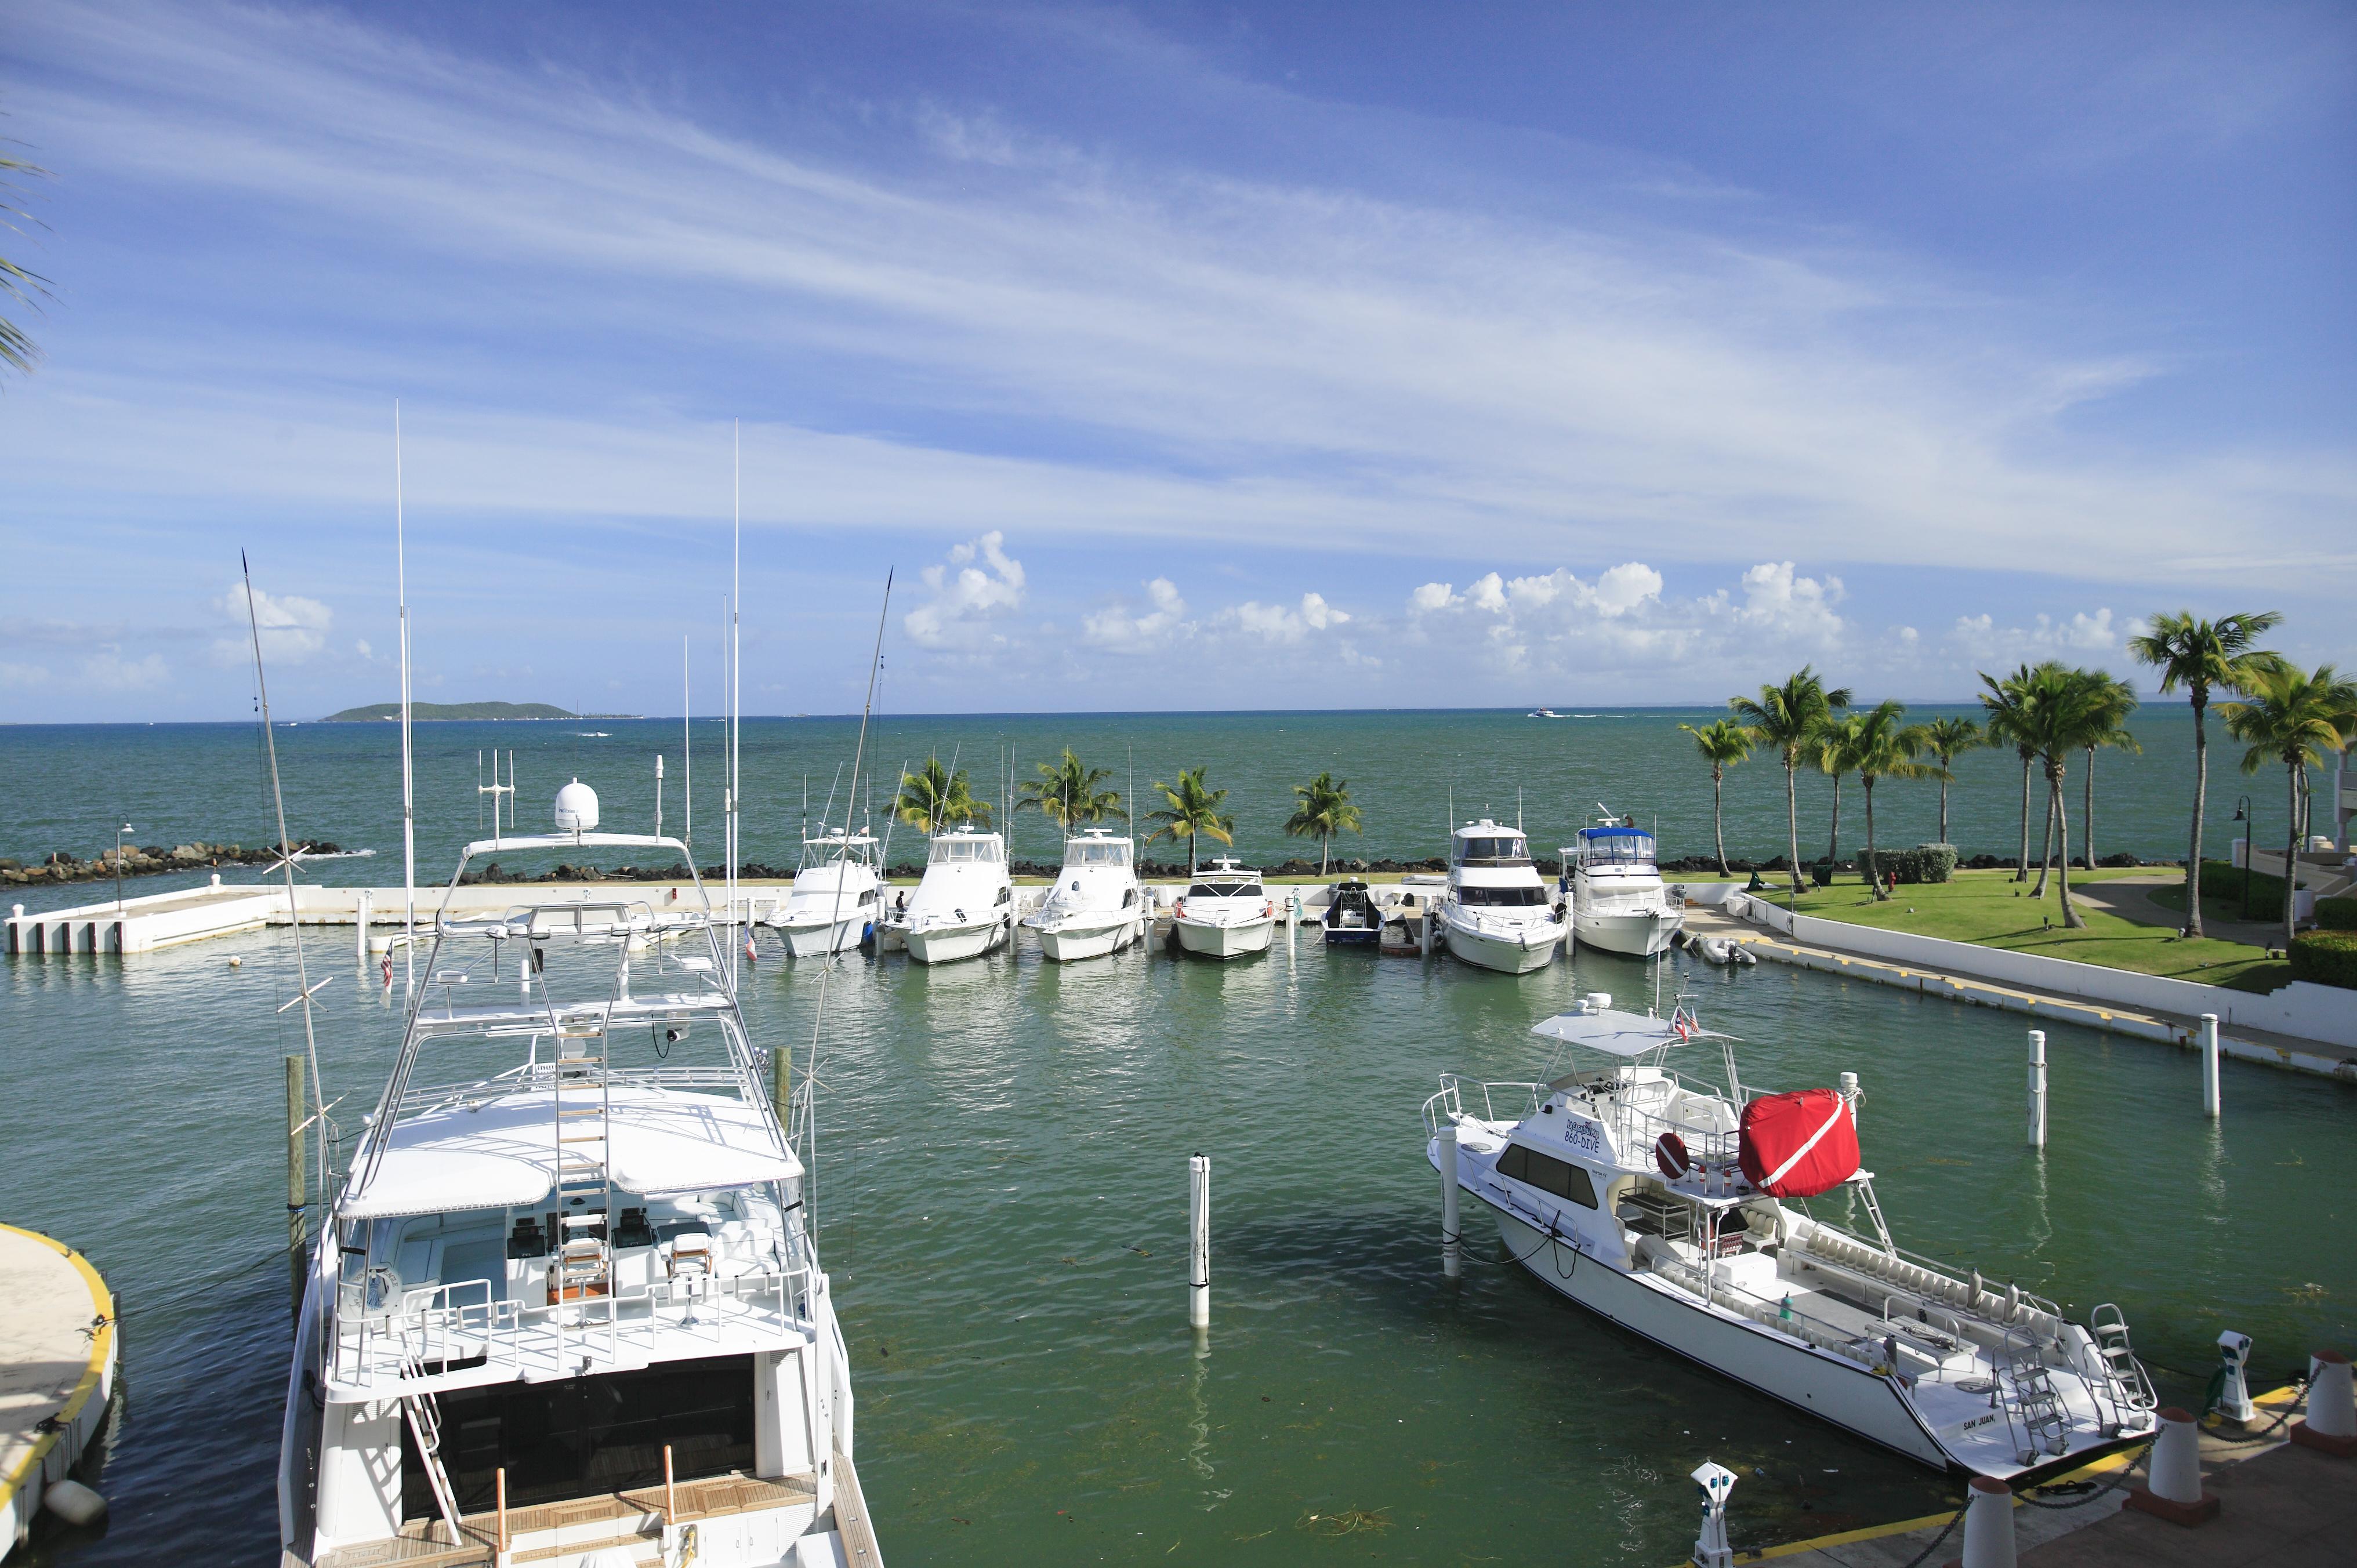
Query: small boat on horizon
1543,714
1224,913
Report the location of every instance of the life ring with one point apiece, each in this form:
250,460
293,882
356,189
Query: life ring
1670,1155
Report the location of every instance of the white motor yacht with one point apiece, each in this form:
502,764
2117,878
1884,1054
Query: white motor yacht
965,906
1678,1210
1614,888
1224,913
835,896
1495,912
565,1307
1097,906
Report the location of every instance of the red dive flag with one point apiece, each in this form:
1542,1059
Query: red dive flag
1799,1144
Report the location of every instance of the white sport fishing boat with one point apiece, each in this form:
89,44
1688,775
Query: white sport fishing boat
1677,1209
1096,906
566,1309
1614,886
1495,912
836,898
965,906
1224,913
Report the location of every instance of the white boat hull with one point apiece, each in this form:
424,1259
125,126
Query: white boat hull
1230,940
1639,935
1070,943
1517,954
947,944
811,939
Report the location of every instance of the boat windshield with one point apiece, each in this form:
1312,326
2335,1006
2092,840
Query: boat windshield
1502,847
1497,896
1097,852
1224,890
1616,847
958,849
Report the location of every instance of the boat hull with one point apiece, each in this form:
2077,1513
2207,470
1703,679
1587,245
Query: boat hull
815,938
1353,936
1208,941
947,944
1640,936
1503,954
1069,944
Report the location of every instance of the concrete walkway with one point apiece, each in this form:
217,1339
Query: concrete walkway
2130,898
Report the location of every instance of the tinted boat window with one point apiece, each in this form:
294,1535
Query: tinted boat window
1488,896
1547,1173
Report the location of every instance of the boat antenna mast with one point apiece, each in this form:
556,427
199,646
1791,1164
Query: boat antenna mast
408,797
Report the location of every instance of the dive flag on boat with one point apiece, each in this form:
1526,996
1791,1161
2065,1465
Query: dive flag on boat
1799,1144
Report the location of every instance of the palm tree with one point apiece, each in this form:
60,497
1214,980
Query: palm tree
1788,717
1830,751
2203,656
1066,793
1724,744
16,283
1325,811
2297,719
1194,809
2063,711
2120,699
1948,739
2003,701
933,800
1880,744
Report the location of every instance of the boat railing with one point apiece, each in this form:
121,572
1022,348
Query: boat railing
1939,1285
1449,1102
1705,1283
421,1099
1636,1131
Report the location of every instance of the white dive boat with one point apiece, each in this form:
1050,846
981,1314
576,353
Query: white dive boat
1495,912
565,1307
1096,906
1614,886
965,906
836,898
1675,1209
1224,913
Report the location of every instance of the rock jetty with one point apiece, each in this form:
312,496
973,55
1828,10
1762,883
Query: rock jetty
64,865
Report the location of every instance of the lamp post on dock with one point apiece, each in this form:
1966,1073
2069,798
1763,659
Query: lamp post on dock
2243,815
125,828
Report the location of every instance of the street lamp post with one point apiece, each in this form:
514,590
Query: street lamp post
125,828
2243,815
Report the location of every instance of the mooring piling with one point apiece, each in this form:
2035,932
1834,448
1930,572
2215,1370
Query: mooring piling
1988,1525
2210,1064
2173,1491
1199,1241
298,1187
1451,1263
2330,1426
361,926
2037,1089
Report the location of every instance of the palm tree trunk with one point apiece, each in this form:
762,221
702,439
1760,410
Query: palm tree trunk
2061,818
1873,872
2046,852
2021,866
1833,844
1719,813
1944,810
2087,813
2291,860
1325,852
1792,825
2201,790
1190,855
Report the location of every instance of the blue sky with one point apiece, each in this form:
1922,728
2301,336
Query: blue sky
1176,357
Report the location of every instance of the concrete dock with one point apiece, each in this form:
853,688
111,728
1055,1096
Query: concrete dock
56,1370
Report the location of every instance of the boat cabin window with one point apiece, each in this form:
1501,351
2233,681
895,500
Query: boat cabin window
1617,847
960,851
1111,852
1501,895
1224,890
1547,1173
1504,847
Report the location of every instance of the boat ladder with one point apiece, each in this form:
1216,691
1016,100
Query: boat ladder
2130,1389
425,1417
583,1266
2030,1394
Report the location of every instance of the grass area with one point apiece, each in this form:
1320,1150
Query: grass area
1988,907
2221,895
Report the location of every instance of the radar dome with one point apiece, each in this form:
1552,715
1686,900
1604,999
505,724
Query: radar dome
577,808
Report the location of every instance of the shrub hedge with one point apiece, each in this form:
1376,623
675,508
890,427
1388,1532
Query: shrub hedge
2337,914
1924,863
2328,958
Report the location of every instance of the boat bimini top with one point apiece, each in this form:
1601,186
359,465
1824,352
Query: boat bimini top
1624,1034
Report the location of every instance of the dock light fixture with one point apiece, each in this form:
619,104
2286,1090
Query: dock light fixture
125,828
2243,815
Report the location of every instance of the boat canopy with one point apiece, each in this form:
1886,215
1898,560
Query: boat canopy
1622,1033
964,848
502,1154
1486,842
1616,846
1094,849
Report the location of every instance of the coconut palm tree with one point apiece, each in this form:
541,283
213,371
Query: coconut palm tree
2298,719
1880,744
2003,704
1787,718
1947,739
1066,793
2120,699
2203,656
933,800
16,283
2062,712
1830,753
1325,811
1724,744
1194,809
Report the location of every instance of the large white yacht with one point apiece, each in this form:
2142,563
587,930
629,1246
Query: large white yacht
1613,884
565,1308
1495,912
1097,906
834,899
1224,913
965,905
1677,1208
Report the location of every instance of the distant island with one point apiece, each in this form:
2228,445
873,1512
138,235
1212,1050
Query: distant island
429,711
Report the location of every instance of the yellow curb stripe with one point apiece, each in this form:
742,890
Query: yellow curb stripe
102,1349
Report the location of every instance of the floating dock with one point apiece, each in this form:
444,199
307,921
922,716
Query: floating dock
56,1370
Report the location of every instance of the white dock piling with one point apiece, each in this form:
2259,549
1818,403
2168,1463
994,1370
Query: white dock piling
1199,1241
2331,1423
2037,1089
1711,1549
2174,1491
1424,932
2234,1393
1988,1525
1451,1263
2209,1064
360,929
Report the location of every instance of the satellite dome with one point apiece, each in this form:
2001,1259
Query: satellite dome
577,808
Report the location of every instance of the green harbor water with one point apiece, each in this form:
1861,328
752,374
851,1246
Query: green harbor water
1001,1176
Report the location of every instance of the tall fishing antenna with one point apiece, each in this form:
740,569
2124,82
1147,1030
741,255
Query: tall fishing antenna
891,815
408,800
735,671
686,749
287,861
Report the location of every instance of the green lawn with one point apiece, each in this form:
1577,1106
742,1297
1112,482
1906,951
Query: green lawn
1992,909
2222,893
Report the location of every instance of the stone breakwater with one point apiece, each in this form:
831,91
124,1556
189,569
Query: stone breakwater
66,866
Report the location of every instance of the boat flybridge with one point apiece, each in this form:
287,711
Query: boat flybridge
965,904
565,1307
1679,1210
1614,886
1495,912
1225,912
1097,906
836,898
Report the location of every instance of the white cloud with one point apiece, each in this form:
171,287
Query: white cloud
1278,623
27,675
1796,609
111,671
966,596
293,628
1117,629
1981,640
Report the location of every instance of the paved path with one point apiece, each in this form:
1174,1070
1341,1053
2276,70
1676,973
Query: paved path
2130,898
